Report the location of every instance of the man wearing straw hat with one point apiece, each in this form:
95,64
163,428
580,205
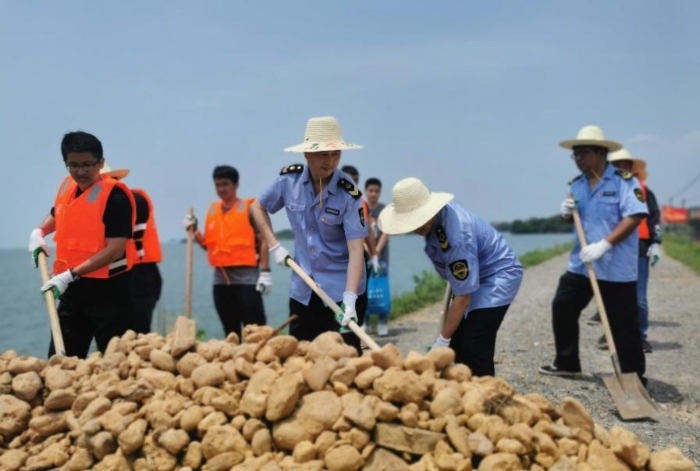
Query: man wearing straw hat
325,211
148,283
472,256
93,220
611,205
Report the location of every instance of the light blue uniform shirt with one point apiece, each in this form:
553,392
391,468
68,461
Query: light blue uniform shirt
616,196
322,224
474,258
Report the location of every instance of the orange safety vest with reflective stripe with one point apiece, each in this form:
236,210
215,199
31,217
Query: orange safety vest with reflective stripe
80,232
644,226
148,247
229,237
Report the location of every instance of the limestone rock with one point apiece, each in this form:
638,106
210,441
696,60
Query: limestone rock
500,462
403,386
185,336
343,458
208,374
14,415
410,440
284,396
26,385
254,400
670,459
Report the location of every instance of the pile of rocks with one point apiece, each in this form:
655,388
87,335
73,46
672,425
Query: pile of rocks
273,403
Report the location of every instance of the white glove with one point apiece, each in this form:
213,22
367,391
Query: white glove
654,254
265,282
280,254
374,260
440,341
37,244
348,312
593,252
567,207
58,283
190,221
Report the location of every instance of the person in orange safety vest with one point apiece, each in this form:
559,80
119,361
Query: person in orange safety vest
93,219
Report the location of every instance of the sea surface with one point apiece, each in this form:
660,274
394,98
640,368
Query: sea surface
24,324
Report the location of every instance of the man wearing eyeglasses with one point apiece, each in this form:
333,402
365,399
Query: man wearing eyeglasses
611,205
92,218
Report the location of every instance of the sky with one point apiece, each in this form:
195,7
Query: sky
471,97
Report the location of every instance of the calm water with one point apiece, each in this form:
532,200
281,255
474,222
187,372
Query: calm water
24,325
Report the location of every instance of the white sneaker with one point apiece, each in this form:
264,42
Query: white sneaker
382,329
367,327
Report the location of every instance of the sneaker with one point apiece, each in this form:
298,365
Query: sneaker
382,329
552,370
367,327
594,319
646,347
602,343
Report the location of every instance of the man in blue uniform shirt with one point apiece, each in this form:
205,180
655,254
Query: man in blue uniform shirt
611,205
472,256
325,211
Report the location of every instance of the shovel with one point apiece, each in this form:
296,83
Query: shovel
446,307
188,271
628,392
51,305
331,304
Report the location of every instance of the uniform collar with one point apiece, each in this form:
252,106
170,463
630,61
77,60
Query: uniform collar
332,184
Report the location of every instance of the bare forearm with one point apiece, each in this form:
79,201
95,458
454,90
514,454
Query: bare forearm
262,220
48,225
264,253
455,315
114,250
356,265
623,229
383,239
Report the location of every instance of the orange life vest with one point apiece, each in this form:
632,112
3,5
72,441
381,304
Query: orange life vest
148,248
644,225
80,232
229,237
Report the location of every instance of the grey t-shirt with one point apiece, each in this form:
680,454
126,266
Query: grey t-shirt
374,215
238,275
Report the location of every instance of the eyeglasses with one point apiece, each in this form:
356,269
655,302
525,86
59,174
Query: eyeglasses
73,166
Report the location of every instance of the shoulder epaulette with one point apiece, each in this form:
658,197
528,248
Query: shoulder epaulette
294,168
574,179
624,174
350,188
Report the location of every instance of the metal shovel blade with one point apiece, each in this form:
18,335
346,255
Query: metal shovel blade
630,396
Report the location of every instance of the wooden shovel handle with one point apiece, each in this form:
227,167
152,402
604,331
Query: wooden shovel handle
51,306
188,270
331,304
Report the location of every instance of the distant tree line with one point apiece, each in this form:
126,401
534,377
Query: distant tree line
552,224
284,234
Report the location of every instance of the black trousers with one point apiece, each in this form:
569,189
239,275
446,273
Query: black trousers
238,304
79,324
620,300
474,341
316,319
148,285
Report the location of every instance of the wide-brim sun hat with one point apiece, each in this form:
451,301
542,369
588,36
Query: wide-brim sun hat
118,173
591,136
639,166
322,134
413,205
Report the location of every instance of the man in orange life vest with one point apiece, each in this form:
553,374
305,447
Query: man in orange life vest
237,252
148,283
93,219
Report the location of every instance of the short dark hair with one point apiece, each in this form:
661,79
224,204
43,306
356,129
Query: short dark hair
373,181
226,171
80,141
350,170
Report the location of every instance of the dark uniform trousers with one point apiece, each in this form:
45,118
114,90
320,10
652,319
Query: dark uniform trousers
316,319
238,304
474,341
620,301
148,285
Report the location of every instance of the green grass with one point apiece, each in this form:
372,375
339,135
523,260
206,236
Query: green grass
684,250
430,288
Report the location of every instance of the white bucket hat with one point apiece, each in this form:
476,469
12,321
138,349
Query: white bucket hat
322,134
591,136
413,205
118,173
639,166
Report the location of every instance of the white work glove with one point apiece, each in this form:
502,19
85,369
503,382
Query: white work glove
567,207
348,312
37,244
265,282
58,283
654,254
593,252
374,260
280,253
190,221
440,341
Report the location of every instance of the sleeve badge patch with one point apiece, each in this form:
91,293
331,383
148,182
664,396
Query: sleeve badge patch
442,238
362,216
460,269
640,195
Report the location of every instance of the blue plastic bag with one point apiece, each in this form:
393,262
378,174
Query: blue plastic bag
378,295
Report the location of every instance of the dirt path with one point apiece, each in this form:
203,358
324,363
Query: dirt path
525,342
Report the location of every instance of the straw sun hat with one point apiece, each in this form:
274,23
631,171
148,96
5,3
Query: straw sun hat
413,205
639,166
591,136
322,134
118,173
